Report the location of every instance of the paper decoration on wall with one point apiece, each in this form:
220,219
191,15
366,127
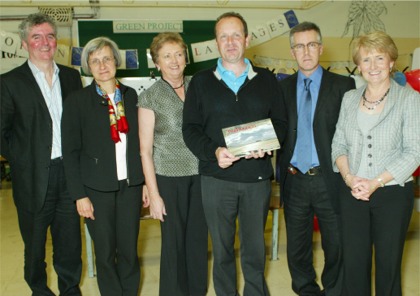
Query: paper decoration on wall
207,50
12,53
276,63
129,58
9,42
204,51
132,59
150,63
62,54
76,53
364,17
147,26
20,52
273,28
291,18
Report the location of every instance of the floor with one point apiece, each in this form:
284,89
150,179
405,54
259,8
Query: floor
278,278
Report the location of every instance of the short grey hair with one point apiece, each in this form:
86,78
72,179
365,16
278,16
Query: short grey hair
33,20
303,27
96,44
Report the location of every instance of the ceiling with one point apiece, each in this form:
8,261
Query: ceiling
273,4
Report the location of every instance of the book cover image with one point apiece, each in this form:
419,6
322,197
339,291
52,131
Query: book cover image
253,136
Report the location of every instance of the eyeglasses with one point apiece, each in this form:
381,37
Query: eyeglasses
105,61
301,47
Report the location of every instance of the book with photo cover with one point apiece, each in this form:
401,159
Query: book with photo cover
253,136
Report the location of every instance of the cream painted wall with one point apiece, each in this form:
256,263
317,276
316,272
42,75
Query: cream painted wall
336,54
402,22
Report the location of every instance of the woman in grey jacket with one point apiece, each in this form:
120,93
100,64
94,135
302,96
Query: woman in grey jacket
376,148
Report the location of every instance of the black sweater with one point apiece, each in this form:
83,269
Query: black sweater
211,105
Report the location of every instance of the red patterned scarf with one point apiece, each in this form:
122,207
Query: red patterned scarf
117,119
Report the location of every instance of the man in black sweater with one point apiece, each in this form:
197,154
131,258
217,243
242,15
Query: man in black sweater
232,93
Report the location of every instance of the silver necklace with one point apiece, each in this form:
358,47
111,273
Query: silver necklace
374,103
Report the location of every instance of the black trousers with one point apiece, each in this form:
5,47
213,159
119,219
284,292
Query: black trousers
223,202
380,224
115,233
184,258
306,196
60,214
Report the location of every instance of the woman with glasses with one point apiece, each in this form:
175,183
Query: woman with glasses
103,168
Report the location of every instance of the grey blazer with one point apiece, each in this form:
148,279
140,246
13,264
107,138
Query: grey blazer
394,140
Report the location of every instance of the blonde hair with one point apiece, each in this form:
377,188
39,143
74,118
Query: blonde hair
163,38
378,41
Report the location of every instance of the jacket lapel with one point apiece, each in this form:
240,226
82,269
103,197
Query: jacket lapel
34,92
389,103
293,98
63,84
323,96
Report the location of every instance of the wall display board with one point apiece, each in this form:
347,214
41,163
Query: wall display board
191,31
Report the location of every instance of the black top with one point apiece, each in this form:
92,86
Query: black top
211,105
88,150
26,132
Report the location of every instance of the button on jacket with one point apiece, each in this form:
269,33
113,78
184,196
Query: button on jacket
88,150
394,140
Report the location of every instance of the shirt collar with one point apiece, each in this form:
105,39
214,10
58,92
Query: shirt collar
222,70
36,71
316,76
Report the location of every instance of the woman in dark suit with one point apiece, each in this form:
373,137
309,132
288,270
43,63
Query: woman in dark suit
103,167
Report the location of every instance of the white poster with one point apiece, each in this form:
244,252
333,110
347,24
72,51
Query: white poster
204,51
9,42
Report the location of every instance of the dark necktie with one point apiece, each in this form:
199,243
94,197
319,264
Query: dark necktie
303,143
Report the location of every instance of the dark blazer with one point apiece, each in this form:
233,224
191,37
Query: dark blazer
26,132
332,89
88,150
